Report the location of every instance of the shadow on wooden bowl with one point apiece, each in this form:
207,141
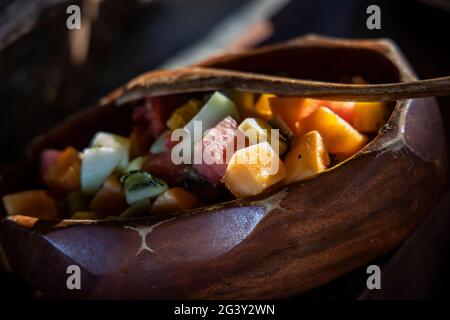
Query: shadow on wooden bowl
275,245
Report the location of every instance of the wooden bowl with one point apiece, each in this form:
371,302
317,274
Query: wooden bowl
275,245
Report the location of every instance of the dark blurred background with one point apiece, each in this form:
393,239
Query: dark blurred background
48,73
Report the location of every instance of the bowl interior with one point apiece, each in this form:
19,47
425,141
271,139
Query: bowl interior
333,64
323,63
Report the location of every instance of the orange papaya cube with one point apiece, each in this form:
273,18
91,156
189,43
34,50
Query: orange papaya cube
64,174
308,156
174,200
369,117
339,136
253,169
110,199
293,109
33,203
344,109
288,109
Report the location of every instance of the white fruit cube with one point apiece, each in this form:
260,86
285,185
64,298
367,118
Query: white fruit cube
257,131
216,109
96,165
110,140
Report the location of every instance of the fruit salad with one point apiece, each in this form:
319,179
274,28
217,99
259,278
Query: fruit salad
188,151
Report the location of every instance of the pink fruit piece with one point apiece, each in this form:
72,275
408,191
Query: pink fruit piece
215,150
168,142
161,165
150,118
158,112
48,158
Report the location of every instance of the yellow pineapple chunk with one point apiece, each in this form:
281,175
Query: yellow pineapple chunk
257,130
253,169
339,136
307,157
369,117
244,101
262,107
182,115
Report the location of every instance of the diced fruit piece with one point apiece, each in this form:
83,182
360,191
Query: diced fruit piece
34,203
140,142
139,115
48,159
150,121
97,164
121,144
110,199
64,173
344,109
174,200
202,188
257,130
262,107
160,144
339,136
136,164
292,110
76,202
215,149
162,165
244,101
169,143
139,185
87,215
217,108
158,112
289,109
307,157
253,169
182,115
139,209
369,117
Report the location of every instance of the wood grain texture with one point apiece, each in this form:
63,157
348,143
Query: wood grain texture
195,79
277,244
